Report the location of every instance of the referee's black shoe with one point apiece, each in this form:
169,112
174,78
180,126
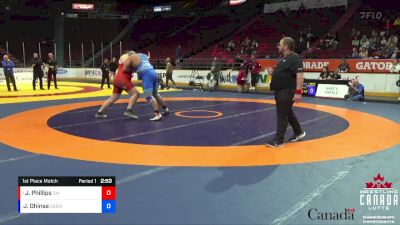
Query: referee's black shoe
295,137
274,144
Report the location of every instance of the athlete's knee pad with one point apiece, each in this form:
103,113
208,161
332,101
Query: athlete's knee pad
150,99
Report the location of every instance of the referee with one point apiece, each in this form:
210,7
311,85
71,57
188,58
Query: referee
287,84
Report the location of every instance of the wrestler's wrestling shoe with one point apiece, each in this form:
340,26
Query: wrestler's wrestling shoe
157,117
100,115
166,112
129,113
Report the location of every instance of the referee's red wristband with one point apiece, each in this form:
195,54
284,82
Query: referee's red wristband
299,92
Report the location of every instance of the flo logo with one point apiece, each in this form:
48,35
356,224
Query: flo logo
379,194
346,214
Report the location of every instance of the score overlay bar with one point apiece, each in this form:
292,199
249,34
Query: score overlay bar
66,195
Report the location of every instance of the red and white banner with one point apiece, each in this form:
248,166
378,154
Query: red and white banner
81,6
356,65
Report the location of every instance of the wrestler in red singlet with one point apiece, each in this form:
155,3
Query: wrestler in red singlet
122,80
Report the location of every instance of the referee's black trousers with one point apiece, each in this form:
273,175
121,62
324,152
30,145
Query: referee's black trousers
105,77
284,103
37,76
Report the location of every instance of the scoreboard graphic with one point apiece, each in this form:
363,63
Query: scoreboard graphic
66,195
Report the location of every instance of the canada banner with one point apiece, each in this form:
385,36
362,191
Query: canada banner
356,65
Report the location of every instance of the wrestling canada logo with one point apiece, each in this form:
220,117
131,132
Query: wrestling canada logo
380,196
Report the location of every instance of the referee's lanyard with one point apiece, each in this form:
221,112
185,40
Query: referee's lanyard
282,58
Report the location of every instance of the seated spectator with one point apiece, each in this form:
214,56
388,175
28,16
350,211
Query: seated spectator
328,39
383,42
231,46
363,54
373,43
395,54
333,44
212,78
254,44
302,45
356,91
395,68
355,42
242,80
363,39
309,38
344,67
325,73
310,54
354,54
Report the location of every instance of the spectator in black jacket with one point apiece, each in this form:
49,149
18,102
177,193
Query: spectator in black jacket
105,69
37,64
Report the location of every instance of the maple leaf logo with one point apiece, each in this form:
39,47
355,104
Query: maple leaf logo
378,183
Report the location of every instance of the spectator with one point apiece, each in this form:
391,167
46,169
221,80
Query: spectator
363,39
356,91
309,38
327,40
363,53
325,74
8,67
333,43
355,41
212,78
344,67
365,43
395,68
302,44
254,45
231,46
354,54
310,54
383,42
178,55
395,54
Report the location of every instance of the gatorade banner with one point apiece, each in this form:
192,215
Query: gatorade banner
356,65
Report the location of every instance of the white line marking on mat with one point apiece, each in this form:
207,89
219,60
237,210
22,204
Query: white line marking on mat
318,191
